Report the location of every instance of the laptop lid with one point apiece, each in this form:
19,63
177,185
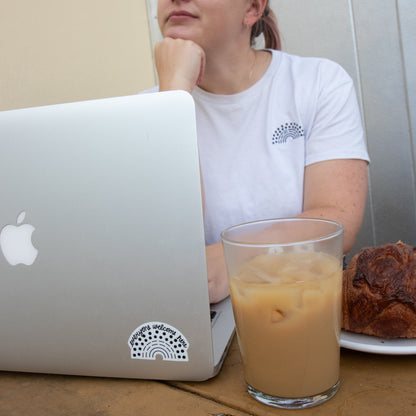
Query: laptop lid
103,270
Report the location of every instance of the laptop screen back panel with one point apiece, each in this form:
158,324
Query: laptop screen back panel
112,189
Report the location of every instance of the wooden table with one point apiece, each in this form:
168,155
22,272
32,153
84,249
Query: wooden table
371,384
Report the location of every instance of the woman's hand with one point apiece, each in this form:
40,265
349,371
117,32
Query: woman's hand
217,273
180,64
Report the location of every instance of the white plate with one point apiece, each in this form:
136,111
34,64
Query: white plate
367,343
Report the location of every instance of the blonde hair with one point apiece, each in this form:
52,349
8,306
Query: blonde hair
267,25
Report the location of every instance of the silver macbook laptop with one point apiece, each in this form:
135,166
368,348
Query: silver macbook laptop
102,263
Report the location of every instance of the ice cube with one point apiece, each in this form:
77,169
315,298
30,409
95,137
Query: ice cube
277,315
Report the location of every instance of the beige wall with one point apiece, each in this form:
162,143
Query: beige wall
55,51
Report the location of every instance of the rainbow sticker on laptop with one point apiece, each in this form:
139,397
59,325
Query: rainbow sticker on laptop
158,339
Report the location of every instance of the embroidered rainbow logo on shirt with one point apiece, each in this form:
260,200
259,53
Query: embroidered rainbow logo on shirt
286,132
157,339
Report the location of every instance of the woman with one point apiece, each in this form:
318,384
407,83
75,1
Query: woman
279,135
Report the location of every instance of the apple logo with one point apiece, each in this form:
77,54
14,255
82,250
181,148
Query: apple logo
16,242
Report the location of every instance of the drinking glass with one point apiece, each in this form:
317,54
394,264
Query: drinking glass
285,278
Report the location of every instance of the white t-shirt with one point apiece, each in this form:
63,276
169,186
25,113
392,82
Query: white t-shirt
254,145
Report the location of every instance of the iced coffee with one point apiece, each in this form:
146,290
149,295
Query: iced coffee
287,310
285,281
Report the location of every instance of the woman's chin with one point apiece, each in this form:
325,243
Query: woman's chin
179,32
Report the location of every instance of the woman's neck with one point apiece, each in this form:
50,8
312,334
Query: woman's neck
234,73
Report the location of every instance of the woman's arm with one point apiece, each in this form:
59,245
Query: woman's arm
337,190
334,190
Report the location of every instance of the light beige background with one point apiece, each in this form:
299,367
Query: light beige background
55,51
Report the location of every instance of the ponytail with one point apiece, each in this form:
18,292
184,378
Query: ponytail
267,25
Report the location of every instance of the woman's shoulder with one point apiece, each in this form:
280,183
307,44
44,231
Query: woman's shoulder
310,68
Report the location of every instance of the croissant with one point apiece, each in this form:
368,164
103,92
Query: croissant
379,292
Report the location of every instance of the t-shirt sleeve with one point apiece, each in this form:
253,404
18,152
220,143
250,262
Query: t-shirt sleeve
335,130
